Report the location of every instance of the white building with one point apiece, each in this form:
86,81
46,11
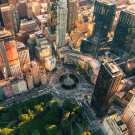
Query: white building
50,63
61,23
113,125
128,116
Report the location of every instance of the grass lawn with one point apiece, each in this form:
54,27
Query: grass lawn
75,129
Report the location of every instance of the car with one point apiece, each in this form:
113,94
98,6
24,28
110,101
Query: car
40,91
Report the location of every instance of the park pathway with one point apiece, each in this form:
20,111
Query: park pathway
71,125
80,128
11,123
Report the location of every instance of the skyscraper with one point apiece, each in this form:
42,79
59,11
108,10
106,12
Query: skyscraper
52,15
12,3
124,35
128,116
71,4
5,11
101,21
14,14
5,36
108,80
61,23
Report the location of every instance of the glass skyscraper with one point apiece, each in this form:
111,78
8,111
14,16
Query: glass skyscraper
108,80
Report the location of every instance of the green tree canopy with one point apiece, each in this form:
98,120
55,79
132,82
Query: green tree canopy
36,132
24,117
51,129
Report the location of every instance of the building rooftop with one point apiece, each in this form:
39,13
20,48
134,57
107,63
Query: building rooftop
6,8
65,49
130,9
112,67
25,22
108,2
5,33
50,58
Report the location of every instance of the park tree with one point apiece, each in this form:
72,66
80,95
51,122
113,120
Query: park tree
87,133
6,131
65,123
75,115
67,103
19,111
4,117
37,107
31,114
41,109
49,96
85,122
78,120
1,122
36,132
80,110
24,117
51,129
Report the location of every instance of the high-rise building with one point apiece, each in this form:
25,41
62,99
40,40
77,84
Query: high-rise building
43,76
35,9
124,34
52,15
9,57
26,28
128,116
29,79
101,21
29,11
71,15
43,48
12,3
61,23
22,9
15,21
35,72
23,54
5,11
108,80
113,125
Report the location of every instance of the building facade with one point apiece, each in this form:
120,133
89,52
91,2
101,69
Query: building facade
23,54
61,23
111,126
15,21
5,11
128,116
52,16
50,63
108,80
101,21
29,79
43,48
71,15
124,34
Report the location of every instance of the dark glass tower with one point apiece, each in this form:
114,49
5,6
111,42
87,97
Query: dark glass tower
101,21
125,32
108,80
52,15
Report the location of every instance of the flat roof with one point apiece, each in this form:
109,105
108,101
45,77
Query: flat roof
112,67
130,9
108,2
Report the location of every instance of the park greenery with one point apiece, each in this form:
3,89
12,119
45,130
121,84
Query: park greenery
78,68
69,87
32,120
73,76
61,79
23,113
87,78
